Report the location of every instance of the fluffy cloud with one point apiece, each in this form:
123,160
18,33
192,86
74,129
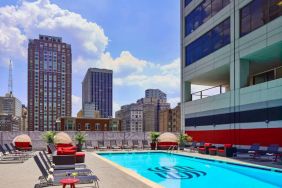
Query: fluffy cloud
76,103
29,19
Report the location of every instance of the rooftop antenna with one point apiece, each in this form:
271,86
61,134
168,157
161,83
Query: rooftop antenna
10,83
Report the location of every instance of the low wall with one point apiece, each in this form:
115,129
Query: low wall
38,143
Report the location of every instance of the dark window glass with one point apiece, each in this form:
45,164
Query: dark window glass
257,13
202,13
211,41
187,2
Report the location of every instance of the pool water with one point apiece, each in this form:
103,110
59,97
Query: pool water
178,171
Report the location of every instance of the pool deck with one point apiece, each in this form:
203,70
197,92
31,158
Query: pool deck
25,175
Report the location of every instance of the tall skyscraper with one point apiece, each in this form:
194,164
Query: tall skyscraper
49,82
97,91
234,46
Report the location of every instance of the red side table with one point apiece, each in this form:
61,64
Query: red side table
69,181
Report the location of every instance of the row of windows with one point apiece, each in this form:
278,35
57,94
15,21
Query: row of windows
257,13
187,2
202,13
211,41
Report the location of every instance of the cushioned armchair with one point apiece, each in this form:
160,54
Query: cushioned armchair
226,151
205,149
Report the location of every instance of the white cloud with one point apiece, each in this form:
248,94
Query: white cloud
116,107
76,104
173,101
29,19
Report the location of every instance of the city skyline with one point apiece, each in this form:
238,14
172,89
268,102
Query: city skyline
98,45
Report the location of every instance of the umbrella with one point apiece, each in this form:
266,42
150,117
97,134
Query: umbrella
22,138
167,137
62,138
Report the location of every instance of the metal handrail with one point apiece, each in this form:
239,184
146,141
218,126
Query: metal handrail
200,93
171,148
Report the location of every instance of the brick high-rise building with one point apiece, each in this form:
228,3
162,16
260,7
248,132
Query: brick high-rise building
97,92
49,82
170,120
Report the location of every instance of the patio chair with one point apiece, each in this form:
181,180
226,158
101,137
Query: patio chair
113,145
226,151
125,144
101,145
6,156
254,151
135,144
205,149
84,171
88,144
48,179
13,147
62,167
25,154
272,151
145,144
193,147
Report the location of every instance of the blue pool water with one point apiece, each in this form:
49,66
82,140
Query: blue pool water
177,171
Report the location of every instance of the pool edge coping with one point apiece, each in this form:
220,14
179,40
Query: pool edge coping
129,172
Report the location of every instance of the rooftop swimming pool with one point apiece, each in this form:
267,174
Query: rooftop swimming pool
179,171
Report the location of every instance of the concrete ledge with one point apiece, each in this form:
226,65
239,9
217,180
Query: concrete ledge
128,171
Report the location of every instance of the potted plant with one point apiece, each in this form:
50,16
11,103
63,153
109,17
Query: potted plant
80,139
154,137
48,137
182,139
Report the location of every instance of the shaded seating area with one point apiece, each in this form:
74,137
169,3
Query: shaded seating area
167,140
23,142
205,148
226,151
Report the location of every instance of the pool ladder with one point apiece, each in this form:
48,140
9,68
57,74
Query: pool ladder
171,148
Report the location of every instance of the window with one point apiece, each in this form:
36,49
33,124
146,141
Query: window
202,13
78,127
187,2
97,126
211,41
87,126
258,13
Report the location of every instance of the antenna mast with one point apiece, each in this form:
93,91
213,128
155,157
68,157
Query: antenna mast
10,84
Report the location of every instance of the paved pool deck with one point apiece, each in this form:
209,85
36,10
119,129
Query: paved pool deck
25,175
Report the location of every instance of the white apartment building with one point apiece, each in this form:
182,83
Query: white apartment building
235,48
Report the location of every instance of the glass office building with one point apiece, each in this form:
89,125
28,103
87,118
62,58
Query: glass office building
233,48
97,91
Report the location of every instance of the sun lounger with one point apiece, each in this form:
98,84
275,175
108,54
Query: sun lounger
48,179
4,156
62,167
125,144
145,144
101,145
254,150
16,152
113,144
81,171
271,151
135,144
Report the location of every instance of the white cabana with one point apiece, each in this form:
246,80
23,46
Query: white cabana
22,138
62,138
167,137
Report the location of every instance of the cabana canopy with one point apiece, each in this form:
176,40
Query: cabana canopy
167,137
62,138
22,138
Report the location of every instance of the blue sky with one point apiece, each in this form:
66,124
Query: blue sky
139,40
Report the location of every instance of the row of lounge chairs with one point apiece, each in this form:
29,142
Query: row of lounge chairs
113,145
228,150
53,173
10,154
